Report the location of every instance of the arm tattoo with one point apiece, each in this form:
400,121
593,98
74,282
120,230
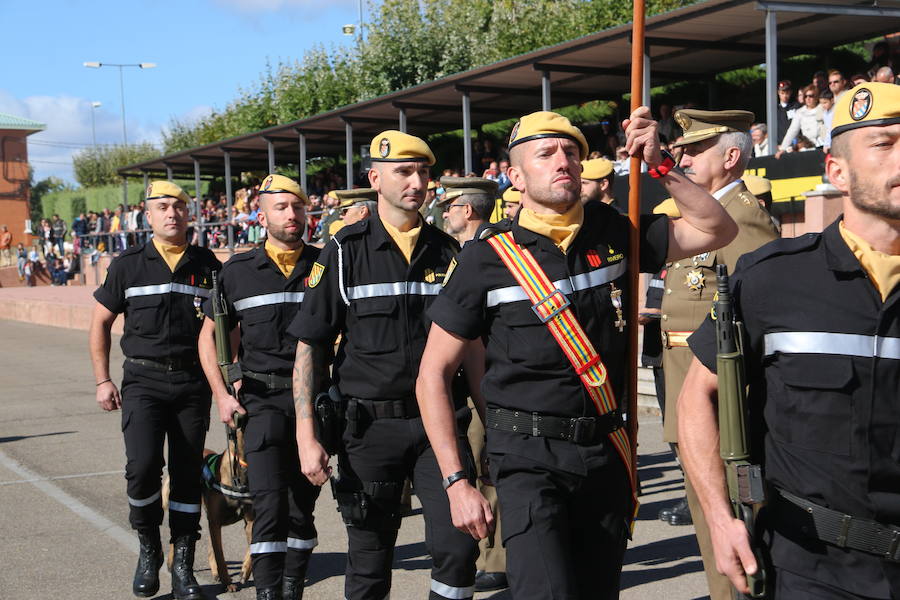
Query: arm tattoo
307,378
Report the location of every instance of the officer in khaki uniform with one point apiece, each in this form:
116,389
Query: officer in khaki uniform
716,151
597,182
356,204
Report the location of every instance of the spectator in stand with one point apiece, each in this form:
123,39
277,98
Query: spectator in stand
46,234
608,140
881,57
255,232
34,255
820,80
60,229
885,75
622,164
858,79
115,226
759,133
79,228
29,273
104,220
21,259
492,172
826,103
503,180
57,272
5,246
668,128
141,223
837,85
787,107
809,121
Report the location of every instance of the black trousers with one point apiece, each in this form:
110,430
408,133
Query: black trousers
389,451
164,407
284,533
791,586
564,534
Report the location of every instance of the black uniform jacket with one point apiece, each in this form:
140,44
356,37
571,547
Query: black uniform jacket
823,362
264,302
526,369
162,309
376,301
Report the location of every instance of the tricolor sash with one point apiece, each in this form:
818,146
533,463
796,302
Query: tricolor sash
552,307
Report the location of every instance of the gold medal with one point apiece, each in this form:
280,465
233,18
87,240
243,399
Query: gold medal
695,280
615,296
198,306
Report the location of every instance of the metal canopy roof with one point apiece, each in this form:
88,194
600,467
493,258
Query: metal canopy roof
686,44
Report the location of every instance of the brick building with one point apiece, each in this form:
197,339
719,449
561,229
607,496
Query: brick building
14,189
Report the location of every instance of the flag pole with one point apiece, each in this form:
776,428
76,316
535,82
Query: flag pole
634,210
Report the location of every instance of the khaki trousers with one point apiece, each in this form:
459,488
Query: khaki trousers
492,557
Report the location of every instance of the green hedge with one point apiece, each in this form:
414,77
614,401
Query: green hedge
69,203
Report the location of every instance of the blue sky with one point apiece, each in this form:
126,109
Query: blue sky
205,51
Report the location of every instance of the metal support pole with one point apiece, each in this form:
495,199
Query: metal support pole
545,90
302,159
122,95
348,134
229,210
198,205
146,184
645,91
169,175
467,133
403,120
270,147
772,81
125,191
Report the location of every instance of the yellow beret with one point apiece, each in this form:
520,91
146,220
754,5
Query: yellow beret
350,197
332,194
432,185
512,196
667,207
596,168
545,124
166,189
699,125
396,146
454,187
756,184
870,104
274,184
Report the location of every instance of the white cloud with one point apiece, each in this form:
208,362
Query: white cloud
68,129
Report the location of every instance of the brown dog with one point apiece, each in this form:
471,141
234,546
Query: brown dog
227,500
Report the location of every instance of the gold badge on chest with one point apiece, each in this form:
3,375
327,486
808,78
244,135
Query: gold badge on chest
695,280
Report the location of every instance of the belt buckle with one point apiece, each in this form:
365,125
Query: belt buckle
535,424
892,554
554,294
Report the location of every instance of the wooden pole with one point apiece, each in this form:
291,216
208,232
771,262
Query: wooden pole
634,213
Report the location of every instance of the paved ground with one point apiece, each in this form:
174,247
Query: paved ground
64,528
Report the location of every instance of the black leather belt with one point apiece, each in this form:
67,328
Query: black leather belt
173,364
836,528
272,381
579,430
406,408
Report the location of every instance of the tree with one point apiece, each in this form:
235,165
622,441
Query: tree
97,165
40,189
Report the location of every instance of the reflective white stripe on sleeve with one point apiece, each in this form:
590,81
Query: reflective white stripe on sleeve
165,288
143,502
267,299
453,593
657,283
577,283
298,544
824,342
185,508
268,547
396,288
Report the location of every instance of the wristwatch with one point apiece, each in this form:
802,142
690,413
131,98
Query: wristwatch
662,169
453,478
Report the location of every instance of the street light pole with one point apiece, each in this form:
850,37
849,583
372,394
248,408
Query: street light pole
143,65
94,106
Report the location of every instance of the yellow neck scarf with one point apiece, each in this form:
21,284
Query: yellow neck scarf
405,240
170,254
285,260
883,269
562,229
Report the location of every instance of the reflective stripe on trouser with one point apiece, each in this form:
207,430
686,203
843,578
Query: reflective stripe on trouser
161,408
382,454
284,533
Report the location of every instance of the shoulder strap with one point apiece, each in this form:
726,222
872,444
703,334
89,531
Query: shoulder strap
552,307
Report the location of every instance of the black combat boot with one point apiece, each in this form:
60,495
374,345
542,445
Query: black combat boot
184,585
293,588
146,576
267,594
666,513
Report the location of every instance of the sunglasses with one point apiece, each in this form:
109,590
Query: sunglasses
809,95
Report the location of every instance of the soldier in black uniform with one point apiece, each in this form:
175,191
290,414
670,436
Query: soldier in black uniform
822,353
160,286
565,494
372,285
263,290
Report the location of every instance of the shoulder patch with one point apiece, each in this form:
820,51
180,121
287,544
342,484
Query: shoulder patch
315,274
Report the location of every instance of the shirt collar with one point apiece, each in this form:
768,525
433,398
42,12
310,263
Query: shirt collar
722,191
838,255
